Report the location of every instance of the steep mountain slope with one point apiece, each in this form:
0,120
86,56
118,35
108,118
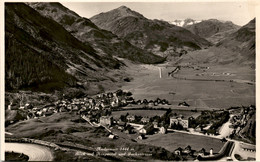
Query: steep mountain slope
42,55
208,28
236,50
156,36
102,41
216,38
184,23
242,41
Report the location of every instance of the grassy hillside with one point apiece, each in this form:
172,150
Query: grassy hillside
242,41
208,28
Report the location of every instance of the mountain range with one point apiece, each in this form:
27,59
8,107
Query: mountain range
155,36
49,47
213,30
104,42
43,55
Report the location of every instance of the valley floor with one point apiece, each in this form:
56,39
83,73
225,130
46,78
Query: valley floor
201,85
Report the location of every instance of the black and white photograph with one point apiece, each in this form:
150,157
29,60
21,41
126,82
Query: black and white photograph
129,81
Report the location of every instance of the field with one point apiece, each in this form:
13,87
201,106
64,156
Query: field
151,113
143,113
199,91
172,141
187,113
59,127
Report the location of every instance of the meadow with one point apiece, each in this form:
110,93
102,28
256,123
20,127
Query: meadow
199,91
143,113
173,140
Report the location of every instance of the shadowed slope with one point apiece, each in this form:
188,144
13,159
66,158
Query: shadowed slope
156,36
105,42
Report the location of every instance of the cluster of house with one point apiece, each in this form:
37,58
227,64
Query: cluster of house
110,100
183,104
131,128
188,151
239,120
35,112
146,127
101,101
151,103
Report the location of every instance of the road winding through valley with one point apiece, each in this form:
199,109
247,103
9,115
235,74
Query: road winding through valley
34,151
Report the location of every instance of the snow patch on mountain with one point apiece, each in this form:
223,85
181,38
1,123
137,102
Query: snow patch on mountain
184,22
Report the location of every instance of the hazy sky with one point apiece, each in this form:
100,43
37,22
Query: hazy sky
238,12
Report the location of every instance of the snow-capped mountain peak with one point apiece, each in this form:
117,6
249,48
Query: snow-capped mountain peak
185,22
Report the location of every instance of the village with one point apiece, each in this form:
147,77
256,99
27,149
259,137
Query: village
98,112
97,105
99,108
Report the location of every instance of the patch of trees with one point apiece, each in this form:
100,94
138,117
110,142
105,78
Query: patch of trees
220,118
13,156
238,157
207,117
123,117
149,128
192,123
127,79
129,128
28,69
165,119
120,92
177,126
163,154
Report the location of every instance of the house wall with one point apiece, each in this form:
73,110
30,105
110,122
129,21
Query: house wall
173,120
105,121
183,122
